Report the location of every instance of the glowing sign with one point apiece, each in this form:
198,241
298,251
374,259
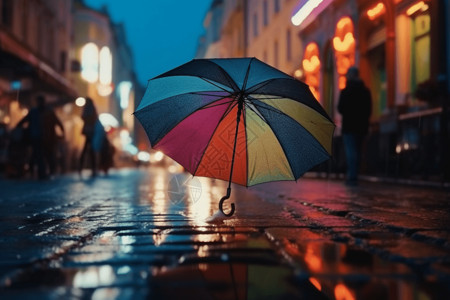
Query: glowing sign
416,7
345,44
376,11
312,64
304,11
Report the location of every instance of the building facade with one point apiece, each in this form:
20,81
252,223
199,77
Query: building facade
401,49
35,58
64,49
106,73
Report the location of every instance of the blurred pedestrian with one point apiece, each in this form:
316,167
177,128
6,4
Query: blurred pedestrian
94,134
355,106
42,123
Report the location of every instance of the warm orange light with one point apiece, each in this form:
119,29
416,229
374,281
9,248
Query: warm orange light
312,64
416,7
313,261
376,11
342,82
311,48
341,292
314,92
311,67
298,73
344,22
315,283
345,44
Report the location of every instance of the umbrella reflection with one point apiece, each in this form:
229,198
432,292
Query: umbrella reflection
341,292
315,282
313,261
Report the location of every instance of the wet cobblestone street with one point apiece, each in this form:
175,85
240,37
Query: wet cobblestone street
143,234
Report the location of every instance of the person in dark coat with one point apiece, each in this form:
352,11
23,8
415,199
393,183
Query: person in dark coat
94,134
42,122
355,106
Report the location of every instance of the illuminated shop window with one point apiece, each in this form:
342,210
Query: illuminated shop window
344,46
89,62
421,48
105,66
311,68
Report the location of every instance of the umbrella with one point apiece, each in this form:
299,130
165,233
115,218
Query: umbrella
236,119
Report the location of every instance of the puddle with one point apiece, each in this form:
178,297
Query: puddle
347,272
226,280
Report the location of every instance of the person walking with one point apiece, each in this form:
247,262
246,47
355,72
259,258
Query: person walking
42,122
94,134
355,106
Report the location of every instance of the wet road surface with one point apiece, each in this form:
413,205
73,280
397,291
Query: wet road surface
140,234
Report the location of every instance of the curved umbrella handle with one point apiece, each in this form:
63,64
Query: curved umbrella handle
229,214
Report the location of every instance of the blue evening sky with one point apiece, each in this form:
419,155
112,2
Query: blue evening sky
162,34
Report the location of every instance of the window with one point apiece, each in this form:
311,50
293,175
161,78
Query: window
421,50
255,25
275,54
288,45
265,13
62,61
7,13
276,4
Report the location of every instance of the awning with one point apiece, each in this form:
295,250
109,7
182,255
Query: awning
51,79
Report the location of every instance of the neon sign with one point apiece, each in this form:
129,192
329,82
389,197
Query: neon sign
305,11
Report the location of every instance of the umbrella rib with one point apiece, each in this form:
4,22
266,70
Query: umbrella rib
212,95
209,106
194,111
227,111
275,97
270,109
281,145
213,83
233,84
244,85
255,88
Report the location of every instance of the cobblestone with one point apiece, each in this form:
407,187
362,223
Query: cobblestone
125,237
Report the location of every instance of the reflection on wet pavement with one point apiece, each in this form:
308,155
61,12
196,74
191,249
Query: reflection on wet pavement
143,235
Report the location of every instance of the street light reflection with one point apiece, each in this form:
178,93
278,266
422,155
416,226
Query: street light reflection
199,201
341,292
159,198
94,277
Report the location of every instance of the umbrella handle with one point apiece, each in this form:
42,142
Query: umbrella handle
229,214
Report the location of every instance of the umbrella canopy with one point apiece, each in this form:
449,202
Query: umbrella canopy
236,119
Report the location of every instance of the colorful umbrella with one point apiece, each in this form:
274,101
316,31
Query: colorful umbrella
236,119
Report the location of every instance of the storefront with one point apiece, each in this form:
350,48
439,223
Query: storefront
398,47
